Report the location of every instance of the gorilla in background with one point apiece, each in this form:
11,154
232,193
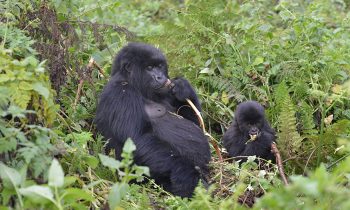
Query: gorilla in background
250,133
139,103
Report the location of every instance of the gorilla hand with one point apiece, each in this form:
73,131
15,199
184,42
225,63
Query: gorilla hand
182,89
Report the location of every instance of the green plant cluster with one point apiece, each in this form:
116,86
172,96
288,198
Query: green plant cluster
291,56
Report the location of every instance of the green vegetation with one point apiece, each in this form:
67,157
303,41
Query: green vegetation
291,56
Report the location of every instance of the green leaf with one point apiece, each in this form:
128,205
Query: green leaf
257,61
129,146
69,180
224,98
265,27
207,70
10,177
91,161
25,86
141,170
286,15
8,144
39,88
77,194
38,194
4,78
109,162
56,175
118,191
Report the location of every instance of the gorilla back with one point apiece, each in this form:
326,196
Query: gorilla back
136,103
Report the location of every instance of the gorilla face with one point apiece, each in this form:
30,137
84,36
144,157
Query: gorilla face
155,75
250,118
142,65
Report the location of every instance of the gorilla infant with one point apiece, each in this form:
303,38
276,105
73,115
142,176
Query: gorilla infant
250,133
139,103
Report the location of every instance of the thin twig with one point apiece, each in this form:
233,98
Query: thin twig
77,95
279,162
98,67
201,122
90,65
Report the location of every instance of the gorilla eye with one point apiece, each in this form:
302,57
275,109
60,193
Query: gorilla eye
160,65
149,67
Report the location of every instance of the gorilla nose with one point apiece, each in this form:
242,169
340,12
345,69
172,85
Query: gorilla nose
161,79
254,131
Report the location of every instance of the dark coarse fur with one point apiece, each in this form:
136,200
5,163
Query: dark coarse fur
135,104
249,118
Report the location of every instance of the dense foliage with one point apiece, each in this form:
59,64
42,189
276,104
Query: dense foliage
291,56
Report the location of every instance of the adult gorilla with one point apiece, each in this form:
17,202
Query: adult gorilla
139,103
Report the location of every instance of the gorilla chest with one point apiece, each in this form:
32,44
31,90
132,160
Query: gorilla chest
157,110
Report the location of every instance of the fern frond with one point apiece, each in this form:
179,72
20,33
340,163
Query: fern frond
288,137
224,85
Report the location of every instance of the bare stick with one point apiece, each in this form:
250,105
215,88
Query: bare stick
77,95
98,67
201,122
81,81
279,162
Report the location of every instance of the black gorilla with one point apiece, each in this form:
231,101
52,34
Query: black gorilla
250,133
138,103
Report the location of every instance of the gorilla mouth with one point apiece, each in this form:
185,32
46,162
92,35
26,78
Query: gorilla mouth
166,84
253,136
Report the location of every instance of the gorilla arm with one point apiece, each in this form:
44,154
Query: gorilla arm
120,114
181,90
184,137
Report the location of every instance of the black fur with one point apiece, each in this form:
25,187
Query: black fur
136,104
249,119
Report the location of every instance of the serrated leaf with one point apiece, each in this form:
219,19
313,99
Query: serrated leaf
8,144
56,175
118,191
10,177
38,194
257,61
129,146
109,162
39,88
25,86
141,170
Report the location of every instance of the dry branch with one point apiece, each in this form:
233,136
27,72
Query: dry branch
201,122
92,63
277,154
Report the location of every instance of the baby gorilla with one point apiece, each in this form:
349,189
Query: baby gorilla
250,133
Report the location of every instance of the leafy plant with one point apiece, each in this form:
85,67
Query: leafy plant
126,172
55,195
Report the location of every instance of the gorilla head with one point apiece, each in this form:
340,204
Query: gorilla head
250,133
250,118
142,65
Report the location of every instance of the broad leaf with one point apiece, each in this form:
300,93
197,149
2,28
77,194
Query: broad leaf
38,194
56,175
9,176
118,191
39,88
109,162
